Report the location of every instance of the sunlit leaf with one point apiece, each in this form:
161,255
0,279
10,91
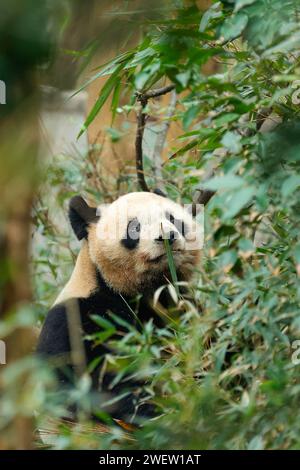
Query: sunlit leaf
234,26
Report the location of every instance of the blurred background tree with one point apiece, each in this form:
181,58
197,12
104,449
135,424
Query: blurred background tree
25,42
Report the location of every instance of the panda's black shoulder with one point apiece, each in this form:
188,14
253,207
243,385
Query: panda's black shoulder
54,337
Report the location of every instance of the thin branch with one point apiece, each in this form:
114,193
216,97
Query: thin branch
74,326
154,93
141,120
202,196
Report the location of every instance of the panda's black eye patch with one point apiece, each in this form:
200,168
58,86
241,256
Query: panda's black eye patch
179,224
132,238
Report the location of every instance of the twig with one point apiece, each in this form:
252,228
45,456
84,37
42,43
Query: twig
202,196
153,93
141,120
74,326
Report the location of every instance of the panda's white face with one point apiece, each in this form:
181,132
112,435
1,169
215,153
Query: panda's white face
127,242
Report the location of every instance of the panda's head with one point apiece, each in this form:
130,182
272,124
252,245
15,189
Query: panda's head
126,240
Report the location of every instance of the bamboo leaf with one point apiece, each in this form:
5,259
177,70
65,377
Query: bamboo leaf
103,96
171,264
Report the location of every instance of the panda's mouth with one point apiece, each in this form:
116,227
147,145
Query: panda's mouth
162,256
157,259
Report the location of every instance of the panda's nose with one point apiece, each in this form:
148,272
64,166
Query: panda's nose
171,236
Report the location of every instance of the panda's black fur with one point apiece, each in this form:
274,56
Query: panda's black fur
101,300
54,342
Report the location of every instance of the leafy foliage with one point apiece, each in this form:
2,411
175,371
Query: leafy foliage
223,375
221,371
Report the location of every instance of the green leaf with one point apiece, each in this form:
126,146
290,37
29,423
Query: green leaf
227,259
256,443
296,254
245,245
202,132
115,134
210,14
238,200
115,100
120,321
145,74
228,181
100,321
232,141
141,56
290,185
234,26
291,43
108,68
102,336
190,115
171,264
242,3
103,96
184,149
225,119
183,78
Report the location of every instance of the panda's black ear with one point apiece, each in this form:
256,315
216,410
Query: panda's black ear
81,215
159,192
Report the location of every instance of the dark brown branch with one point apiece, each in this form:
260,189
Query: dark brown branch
141,120
202,196
154,93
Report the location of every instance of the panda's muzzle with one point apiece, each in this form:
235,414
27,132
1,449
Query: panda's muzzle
158,258
171,236
162,256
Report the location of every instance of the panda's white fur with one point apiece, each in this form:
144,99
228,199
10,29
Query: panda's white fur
82,281
128,271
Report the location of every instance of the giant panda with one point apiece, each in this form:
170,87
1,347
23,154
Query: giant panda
121,263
